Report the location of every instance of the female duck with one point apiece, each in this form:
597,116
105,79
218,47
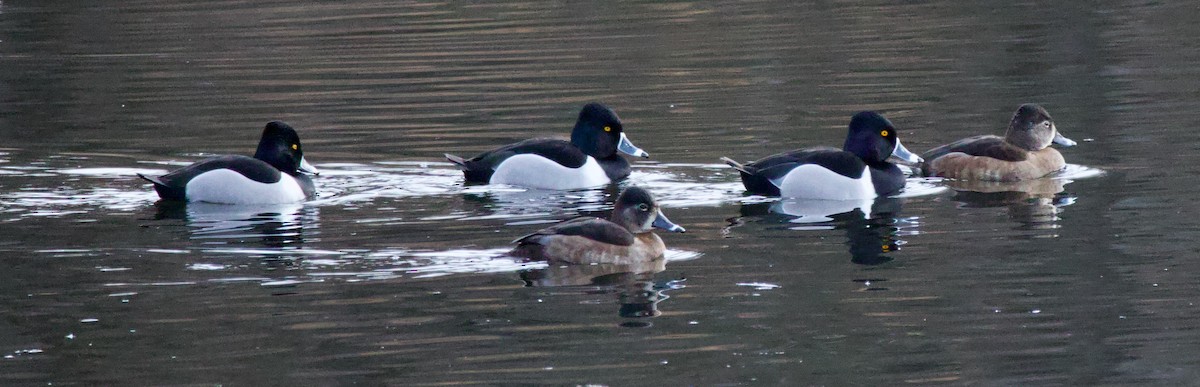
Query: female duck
1022,154
859,171
624,238
276,174
588,160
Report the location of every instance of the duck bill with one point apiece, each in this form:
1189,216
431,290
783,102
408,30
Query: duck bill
627,147
662,222
1062,140
307,168
901,153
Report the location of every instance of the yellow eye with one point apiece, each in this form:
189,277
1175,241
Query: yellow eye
295,146
887,248
883,133
607,128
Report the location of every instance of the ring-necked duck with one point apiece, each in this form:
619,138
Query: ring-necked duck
624,238
276,174
588,160
860,170
1023,153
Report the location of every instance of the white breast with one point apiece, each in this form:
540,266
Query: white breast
535,171
811,181
229,187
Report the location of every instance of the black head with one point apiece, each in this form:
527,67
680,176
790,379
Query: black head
874,139
1033,129
280,147
599,133
637,211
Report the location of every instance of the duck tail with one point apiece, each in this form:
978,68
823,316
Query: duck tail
736,165
456,160
152,179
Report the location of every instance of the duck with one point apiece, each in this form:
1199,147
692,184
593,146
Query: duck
278,173
590,159
625,238
860,170
1023,153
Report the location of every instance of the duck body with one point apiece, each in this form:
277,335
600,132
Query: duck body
624,238
589,159
991,158
823,173
860,170
233,180
590,240
276,174
1023,153
543,163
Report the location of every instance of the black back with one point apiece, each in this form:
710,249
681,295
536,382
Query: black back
480,168
172,186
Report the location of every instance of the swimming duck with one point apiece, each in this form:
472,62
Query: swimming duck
1023,153
860,170
588,160
276,174
624,238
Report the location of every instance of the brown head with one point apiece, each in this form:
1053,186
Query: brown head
636,211
1032,129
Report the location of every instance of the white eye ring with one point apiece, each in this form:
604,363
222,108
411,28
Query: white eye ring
643,207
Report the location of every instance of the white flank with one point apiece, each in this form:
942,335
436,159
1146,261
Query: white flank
535,171
811,181
229,187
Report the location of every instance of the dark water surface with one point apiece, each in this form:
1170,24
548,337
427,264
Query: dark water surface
397,274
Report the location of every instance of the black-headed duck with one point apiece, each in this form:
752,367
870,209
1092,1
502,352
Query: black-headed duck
276,174
590,159
860,170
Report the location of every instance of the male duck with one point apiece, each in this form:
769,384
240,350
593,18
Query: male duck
1022,154
624,238
588,160
859,171
274,175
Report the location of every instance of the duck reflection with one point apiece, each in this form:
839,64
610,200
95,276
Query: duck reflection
1035,204
870,225
521,202
271,225
637,292
596,275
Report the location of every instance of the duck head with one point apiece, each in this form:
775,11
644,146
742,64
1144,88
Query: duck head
599,133
874,140
637,211
1032,129
280,147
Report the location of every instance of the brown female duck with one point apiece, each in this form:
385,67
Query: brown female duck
1023,153
624,238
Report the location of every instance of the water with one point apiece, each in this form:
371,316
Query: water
397,274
